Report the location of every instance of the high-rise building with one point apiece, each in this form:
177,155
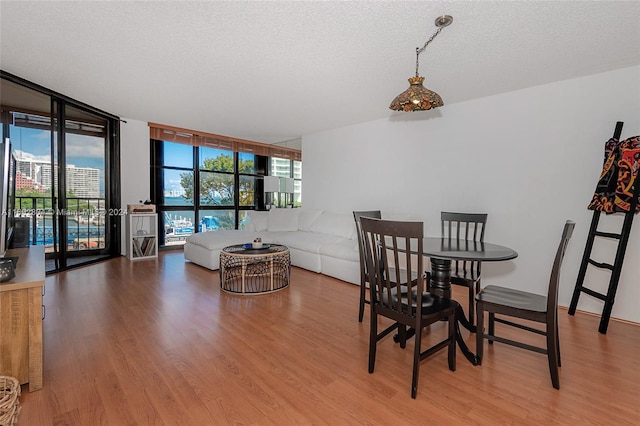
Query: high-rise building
83,182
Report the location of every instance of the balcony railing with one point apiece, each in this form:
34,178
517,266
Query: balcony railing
85,222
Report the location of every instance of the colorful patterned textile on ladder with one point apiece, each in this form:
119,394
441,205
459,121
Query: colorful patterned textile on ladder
615,188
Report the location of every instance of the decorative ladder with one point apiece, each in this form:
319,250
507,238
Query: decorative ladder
616,268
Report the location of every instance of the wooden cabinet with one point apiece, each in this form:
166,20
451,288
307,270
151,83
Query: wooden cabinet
21,313
142,236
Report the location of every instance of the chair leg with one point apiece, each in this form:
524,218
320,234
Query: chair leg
472,299
558,342
402,335
552,355
492,326
373,340
363,290
416,364
476,289
479,332
452,341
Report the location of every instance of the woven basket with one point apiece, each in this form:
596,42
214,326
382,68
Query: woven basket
9,404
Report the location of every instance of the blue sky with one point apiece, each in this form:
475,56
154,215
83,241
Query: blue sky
178,155
82,151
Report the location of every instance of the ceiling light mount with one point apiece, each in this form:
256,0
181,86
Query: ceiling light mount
417,97
444,21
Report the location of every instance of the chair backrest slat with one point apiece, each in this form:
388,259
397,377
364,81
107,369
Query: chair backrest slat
356,216
386,242
464,226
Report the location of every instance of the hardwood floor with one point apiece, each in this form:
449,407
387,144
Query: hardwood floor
156,342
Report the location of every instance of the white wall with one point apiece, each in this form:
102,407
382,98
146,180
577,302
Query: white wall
529,158
134,165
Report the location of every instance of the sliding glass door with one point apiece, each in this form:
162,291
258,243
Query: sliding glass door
82,204
67,167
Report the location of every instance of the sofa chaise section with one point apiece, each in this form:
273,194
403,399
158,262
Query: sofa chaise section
319,241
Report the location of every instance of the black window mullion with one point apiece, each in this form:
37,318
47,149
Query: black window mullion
200,210
236,184
196,189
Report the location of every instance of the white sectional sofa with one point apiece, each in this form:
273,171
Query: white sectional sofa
320,241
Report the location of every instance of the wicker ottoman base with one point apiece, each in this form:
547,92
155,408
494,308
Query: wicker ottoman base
246,272
9,403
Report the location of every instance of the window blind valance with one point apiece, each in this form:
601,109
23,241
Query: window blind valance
210,140
42,120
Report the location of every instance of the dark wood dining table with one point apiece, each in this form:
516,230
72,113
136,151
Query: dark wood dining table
441,252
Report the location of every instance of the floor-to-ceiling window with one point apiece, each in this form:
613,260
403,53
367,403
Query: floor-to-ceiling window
199,189
203,182
67,173
175,203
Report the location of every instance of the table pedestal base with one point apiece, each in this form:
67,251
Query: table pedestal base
440,285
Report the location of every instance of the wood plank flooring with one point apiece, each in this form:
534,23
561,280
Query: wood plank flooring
156,342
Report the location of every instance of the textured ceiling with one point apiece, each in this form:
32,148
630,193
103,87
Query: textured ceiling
273,71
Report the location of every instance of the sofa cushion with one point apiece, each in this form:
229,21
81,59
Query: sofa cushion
306,217
342,249
212,240
338,224
283,220
258,221
305,241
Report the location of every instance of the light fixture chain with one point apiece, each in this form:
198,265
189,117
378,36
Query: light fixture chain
420,50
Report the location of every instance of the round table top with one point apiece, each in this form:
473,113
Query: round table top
243,250
445,248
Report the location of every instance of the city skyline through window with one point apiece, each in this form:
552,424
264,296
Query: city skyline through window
85,162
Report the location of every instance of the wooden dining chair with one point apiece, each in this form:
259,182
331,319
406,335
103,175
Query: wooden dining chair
528,306
465,227
388,243
364,278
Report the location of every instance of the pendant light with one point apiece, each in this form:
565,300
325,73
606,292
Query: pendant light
417,97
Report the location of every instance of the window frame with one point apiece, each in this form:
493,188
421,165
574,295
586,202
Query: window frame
197,208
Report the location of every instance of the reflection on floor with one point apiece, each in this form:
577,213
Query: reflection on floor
74,262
